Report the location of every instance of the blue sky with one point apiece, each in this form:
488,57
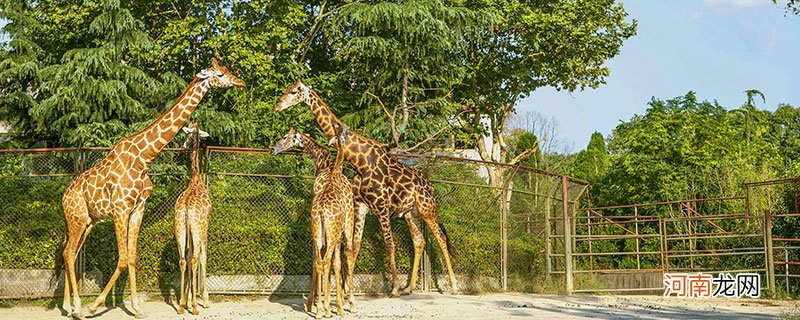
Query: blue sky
717,48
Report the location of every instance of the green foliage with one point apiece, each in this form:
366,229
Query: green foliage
403,57
684,148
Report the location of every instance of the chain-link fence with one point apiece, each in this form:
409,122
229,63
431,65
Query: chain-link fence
259,235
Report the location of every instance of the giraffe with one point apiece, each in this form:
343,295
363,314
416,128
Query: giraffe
192,210
118,186
382,184
332,204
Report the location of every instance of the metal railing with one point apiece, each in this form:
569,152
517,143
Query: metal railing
628,248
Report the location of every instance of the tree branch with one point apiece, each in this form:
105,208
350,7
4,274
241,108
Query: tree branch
525,155
429,138
315,26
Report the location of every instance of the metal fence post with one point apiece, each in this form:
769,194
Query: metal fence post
786,266
567,236
504,236
548,244
768,250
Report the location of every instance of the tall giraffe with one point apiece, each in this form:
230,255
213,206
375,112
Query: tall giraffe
118,186
382,183
192,210
326,174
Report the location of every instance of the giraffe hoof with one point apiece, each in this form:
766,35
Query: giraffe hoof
406,291
195,311
180,310
394,294
92,310
140,315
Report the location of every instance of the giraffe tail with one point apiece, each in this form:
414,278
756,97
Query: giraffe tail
58,264
450,249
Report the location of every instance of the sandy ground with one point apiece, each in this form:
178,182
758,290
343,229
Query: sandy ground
438,306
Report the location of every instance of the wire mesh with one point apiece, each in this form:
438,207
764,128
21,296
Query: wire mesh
259,233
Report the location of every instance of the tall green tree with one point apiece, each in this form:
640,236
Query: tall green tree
93,95
404,57
563,44
592,163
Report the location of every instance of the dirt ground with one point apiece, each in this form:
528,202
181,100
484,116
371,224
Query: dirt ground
438,306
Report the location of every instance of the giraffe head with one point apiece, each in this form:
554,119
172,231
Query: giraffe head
219,76
297,93
193,134
290,140
342,132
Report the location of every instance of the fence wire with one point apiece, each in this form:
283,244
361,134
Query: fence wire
259,233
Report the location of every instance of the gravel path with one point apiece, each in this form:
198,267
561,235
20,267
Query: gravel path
437,306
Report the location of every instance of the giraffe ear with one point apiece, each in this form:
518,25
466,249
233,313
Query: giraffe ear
214,63
203,134
188,130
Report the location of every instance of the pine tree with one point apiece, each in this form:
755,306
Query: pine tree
93,95
405,56
591,164
20,62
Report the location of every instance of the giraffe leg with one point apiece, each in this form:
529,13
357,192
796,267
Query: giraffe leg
70,278
388,239
337,276
318,269
414,222
195,237
121,230
76,215
312,294
427,210
134,222
203,260
181,240
326,265
316,261
353,246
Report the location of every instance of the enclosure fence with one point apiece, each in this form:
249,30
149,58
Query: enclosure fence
628,248
259,233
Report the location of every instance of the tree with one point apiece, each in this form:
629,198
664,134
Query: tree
790,5
591,164
550,146
92,96
563,44
404,57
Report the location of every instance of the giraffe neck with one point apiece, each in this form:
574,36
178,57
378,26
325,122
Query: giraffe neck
320,154
325,118
362,152
159,133
337,166
196,155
